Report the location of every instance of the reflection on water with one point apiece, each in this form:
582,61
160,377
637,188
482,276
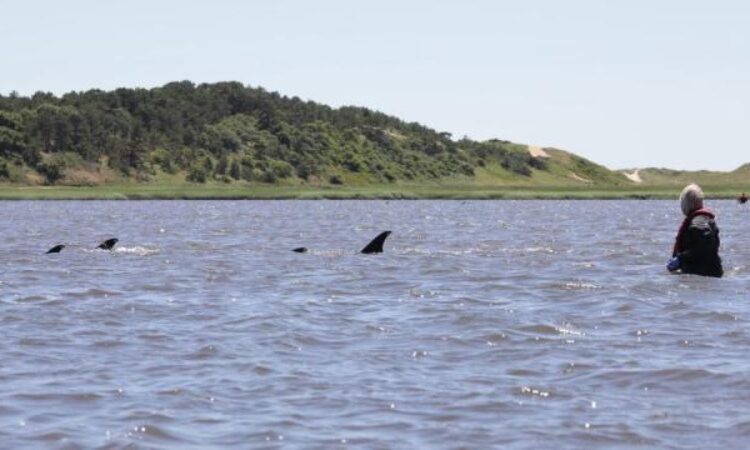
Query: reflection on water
518,324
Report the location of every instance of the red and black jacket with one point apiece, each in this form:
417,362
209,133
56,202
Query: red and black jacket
697,245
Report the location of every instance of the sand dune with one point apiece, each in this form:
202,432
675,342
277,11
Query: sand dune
577,177
635,177
538,152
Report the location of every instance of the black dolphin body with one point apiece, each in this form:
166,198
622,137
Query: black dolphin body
56,249
109,244
376,245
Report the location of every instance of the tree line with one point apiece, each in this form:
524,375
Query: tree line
228,131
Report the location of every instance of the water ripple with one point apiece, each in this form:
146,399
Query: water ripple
508,324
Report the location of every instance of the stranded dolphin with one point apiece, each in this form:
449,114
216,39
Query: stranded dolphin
109,244
375,246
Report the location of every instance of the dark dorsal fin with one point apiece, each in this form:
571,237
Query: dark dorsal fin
56,249
376,245
109,244
300,250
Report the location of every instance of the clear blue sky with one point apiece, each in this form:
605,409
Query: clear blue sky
625,83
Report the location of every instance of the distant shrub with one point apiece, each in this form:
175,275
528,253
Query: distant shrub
248,162
304,171
142,176
235,171
466,169
280,169
268,176
4,171
51,170
197,174
353,163
163,159
208,164
335,179
53,167
538,163
221,166
247,173
219,139
516,163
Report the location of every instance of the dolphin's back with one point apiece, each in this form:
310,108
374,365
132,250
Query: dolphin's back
56,249
109,244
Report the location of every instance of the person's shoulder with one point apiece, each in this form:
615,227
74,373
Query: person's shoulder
701,221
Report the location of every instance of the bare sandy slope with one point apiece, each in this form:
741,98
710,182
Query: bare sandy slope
577,177
635,177
538,152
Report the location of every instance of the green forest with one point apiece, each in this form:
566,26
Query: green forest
227,132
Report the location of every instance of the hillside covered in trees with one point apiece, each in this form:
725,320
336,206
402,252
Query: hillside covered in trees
228,132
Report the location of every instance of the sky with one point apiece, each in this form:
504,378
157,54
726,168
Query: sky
626,83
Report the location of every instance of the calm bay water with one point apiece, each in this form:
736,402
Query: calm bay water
513,324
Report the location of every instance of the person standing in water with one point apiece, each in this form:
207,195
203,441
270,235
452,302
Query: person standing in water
696,248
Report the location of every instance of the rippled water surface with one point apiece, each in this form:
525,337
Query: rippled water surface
504,324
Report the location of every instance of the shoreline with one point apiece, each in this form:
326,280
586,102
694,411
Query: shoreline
373,192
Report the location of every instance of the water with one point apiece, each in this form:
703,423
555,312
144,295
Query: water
508,324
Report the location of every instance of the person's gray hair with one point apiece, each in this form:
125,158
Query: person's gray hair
691,198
